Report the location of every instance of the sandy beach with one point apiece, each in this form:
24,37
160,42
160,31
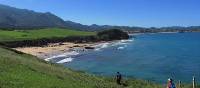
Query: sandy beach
66,50
54,49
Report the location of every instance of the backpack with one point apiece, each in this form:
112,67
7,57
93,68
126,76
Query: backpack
172,85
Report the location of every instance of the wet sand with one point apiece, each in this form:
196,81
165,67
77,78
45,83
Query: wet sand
54,49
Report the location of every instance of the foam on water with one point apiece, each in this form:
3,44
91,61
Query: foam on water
127,40
115,43
97,49
57,56
101,46
65,60
68,54
120,48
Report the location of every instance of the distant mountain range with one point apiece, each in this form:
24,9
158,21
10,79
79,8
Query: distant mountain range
11,17
95,27
14,17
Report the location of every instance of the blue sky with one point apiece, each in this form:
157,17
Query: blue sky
145,13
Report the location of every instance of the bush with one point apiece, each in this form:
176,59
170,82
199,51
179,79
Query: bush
112,34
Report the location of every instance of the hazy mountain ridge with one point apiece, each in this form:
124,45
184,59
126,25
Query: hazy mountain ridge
95,27
11,17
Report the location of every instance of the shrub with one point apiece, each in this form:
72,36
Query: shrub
112,34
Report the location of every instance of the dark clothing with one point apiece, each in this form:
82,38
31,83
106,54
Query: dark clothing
171,85
119,78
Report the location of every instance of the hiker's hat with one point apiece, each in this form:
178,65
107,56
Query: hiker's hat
169,79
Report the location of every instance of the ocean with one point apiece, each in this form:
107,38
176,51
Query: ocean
153,57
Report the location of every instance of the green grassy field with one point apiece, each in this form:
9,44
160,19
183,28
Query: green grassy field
26,71
18,35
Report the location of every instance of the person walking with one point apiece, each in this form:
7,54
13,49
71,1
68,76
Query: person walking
118,78
170,84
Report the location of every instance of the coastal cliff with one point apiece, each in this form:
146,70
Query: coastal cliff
107,35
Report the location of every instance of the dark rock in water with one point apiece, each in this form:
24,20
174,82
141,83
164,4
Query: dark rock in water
89,48
76,46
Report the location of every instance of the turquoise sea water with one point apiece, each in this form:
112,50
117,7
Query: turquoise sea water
154,57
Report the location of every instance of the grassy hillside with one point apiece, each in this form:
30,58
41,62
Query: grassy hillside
26,71
41,33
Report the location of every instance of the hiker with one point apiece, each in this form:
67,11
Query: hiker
170,84
118,78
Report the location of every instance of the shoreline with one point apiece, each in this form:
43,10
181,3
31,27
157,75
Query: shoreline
53,49
67,50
